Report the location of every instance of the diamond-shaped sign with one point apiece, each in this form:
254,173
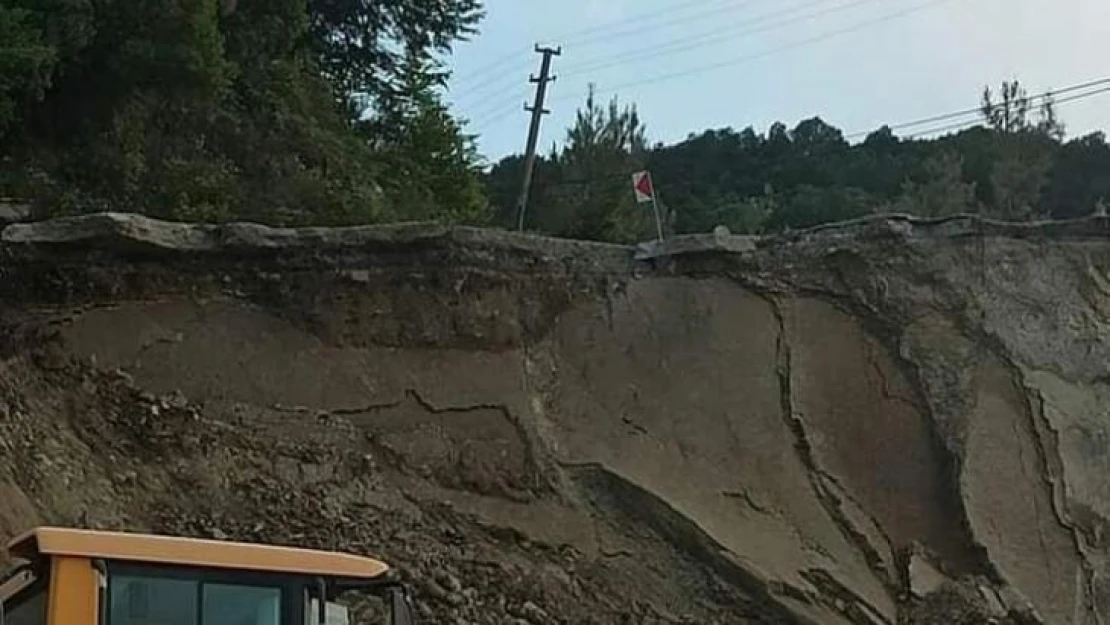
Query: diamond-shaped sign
641,184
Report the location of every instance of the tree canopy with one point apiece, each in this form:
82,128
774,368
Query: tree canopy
1014,165
332,112
280,111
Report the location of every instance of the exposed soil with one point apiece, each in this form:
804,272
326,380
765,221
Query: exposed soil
540,432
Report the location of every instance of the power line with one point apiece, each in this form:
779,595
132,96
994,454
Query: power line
678,45
751,57
977,110
497,63
469,89
489,114
601,30
844,147
1045,96
964,125
903,125
576,37
718,35
608,36
498,96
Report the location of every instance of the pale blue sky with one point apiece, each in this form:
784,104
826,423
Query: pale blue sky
774,62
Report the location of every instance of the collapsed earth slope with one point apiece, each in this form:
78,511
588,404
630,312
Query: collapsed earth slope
878,422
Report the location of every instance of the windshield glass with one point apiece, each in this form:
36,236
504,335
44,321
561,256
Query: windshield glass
143,599
352,608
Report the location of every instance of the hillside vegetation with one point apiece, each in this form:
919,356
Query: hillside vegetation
280,111
294,112
1016,165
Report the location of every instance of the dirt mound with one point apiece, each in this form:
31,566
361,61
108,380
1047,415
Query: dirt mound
534,431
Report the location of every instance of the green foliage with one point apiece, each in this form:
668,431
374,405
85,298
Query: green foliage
1016,167
938,189
1022,151
429,171
1010,113
365,48
1080,178
428,165
234,109
1018,178
584,190
809,206
604,146
27,62
751,215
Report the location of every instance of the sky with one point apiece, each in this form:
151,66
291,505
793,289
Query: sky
693,65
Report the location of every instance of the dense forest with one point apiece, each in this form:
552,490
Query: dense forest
279,111
296,112
1014,165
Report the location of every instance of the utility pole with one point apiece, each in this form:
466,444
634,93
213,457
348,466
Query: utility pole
538,111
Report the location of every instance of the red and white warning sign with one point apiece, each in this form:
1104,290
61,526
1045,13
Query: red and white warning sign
641,184
645,194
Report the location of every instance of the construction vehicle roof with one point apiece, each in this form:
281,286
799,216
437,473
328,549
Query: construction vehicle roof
192,552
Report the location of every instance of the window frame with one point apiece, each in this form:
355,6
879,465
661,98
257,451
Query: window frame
39,585
289,585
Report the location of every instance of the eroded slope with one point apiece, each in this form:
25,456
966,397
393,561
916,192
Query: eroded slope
822,429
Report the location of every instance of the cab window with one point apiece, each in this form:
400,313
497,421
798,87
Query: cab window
24,598
152,599
225,604
28,609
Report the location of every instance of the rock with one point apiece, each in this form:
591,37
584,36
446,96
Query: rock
924,577
533,612
993,601
1018,605
449,581
12,210
126,478
951,603
435,590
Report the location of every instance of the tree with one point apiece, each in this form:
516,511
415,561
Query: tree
712,179
220,109
1011,112
1013,167
26,63
1023,151
1080,178
1048,123
604,146
747,215
809,205
939,189
428,165
366,48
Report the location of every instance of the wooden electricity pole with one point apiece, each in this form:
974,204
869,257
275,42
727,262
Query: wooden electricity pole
538,111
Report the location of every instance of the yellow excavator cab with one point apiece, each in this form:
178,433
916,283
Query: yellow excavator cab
83,577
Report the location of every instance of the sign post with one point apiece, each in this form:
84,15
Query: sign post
645,192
